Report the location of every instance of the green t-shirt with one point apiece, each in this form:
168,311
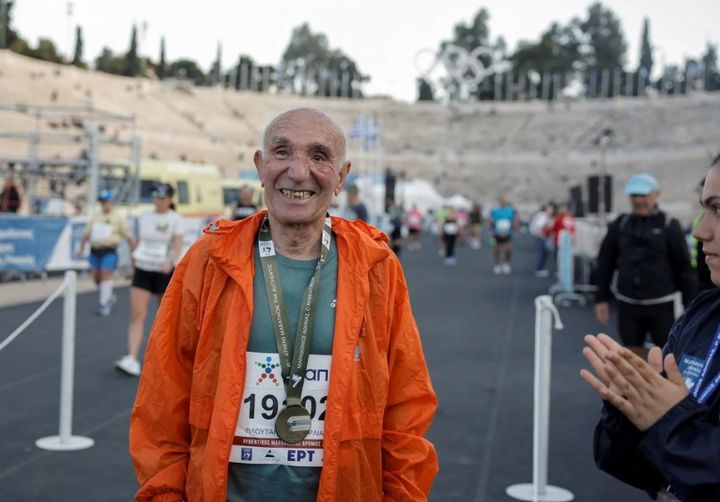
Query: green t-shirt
257,482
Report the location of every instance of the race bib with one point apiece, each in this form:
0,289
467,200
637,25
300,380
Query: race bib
100,232
151,253
503,227
256,441
451,228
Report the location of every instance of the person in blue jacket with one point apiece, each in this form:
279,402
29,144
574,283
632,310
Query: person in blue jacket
659,429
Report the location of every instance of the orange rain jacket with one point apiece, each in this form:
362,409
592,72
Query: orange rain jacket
379,407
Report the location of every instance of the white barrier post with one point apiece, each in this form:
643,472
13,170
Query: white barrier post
66,441
539,490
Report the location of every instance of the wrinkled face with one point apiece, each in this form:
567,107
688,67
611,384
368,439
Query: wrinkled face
302,167
643,205
708,230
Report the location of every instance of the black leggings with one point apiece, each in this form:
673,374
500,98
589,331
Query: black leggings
637,321
449,244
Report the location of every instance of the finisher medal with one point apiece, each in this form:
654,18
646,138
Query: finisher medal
293,424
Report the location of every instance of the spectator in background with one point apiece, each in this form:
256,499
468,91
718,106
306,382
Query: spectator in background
649,252
245,206
10,199
563,220
356,207
540,226
396,216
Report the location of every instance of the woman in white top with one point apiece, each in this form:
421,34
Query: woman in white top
159,244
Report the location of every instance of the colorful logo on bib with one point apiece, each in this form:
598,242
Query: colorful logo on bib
267,371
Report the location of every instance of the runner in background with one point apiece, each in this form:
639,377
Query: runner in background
476,221
450,231
504,220
414,222
159,244
105,231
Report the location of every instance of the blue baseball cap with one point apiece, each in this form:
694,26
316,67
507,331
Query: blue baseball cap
642,184
105,196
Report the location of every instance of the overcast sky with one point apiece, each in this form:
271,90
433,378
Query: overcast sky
382,36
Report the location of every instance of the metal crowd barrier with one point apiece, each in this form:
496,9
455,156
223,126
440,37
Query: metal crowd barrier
539,490
64,441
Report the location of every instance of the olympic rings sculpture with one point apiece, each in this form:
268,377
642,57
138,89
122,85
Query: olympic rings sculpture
464,67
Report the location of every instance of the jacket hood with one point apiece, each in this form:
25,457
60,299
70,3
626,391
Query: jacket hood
362,244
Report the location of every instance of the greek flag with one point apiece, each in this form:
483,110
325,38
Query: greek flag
366,129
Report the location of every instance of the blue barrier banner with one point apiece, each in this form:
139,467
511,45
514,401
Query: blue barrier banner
77,230
566,269
26,244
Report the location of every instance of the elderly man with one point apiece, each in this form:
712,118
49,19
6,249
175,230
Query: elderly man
648,250
285,362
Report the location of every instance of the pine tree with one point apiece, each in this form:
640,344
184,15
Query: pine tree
131,67
646,58
162,65
77,56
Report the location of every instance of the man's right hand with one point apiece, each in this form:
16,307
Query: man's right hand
602,312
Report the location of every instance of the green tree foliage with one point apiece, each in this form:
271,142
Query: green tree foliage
131,65
469,37
310,66
13,40
187,69
77,55
45,51
161,69
605,39
557,51
109,63
425,90
646,57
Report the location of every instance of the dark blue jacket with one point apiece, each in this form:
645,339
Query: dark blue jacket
682,449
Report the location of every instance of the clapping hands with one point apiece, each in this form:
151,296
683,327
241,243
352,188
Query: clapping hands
634,386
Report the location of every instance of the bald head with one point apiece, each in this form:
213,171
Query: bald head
307,117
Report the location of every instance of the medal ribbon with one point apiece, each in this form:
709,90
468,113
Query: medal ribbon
293,365
702,396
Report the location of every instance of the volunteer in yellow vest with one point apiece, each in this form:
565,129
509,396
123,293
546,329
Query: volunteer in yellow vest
105,230
285,362
159,244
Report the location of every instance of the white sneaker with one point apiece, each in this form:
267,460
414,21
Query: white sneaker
128,365
450,260
506,269
542,273
497,269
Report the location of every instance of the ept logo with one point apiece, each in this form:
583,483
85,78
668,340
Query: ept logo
300,455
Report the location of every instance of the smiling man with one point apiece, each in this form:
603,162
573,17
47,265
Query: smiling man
285,362
647,249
